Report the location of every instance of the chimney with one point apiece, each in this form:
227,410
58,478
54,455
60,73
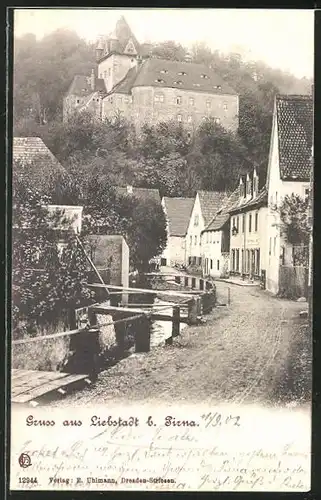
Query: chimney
248,186
241,188
129,189
92,79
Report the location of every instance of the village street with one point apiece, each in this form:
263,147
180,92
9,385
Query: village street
256,349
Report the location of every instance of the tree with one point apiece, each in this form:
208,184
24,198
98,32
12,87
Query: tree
169,50
294,219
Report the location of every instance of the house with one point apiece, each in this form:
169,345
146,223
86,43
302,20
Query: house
32,158
289,171
215,241
178,212
129,82
206,205
248,228
141,194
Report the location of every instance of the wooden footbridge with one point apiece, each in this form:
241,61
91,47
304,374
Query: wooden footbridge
188,306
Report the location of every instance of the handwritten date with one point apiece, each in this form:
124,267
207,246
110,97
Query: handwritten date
217,419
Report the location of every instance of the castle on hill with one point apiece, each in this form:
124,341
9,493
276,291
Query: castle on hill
131,83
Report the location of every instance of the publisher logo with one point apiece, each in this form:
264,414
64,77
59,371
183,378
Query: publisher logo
24,460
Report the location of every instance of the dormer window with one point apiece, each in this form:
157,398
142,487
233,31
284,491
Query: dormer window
217,87
248,186
196,84
182,73
179,82
164,71
204,76
159,80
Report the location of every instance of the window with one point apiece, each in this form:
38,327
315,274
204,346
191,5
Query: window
178,100
270,245
274,245
105,74
191,240
164,71
211,264
211,237
206,237
78,101
306,193
195,240
237,259
120,100
109,72
243,223
237,224
256,221
208,103
243,263
225,106
126,100
159,80
196,220
189,119
159,98
191,101
217,121
218,265
179,118
276,197
250,223
204,76
178,82
196,84
182,73
101,75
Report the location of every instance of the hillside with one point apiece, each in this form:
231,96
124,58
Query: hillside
161,156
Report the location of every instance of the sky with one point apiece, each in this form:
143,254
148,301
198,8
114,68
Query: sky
281,38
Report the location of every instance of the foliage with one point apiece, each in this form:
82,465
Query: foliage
294,216
46,285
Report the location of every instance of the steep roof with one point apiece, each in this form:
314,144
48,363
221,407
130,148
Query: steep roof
222,216
125,85
118,41
182,75
81,86
259,200
139,193
211,202
295,135
178,211
33,156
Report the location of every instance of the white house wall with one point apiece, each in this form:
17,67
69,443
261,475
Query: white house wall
193,247
211,250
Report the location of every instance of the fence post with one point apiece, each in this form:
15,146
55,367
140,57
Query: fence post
192,312
142,337
176,321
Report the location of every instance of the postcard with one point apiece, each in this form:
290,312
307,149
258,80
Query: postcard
162,208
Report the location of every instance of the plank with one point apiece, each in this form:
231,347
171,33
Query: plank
35,380
17,374
47,388
138,290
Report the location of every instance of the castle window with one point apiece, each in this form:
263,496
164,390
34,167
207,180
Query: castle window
191,101
78,101
208,103
179,118
159,98
204,76
178,100
179,82
182,73
219,87
159,80
217,121
225,106
189,119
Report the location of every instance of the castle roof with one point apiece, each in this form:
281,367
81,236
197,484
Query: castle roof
182,75
118,41
178,212
81,86
294,114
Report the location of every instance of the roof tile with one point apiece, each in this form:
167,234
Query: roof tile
178,211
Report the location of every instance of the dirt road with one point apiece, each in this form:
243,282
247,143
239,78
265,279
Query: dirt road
257,349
